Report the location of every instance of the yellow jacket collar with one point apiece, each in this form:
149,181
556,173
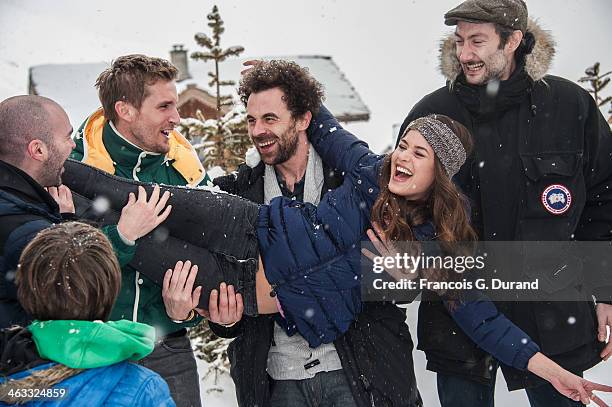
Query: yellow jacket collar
184,157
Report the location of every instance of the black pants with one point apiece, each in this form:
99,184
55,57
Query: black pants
214,230
456,391
173,359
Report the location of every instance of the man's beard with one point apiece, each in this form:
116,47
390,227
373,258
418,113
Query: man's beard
147,143
52,171
287,146
495,67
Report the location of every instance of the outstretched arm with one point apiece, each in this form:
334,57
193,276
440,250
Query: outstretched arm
497,335
479,318
338,147
567,383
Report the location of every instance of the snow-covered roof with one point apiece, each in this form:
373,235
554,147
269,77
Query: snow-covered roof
72,85
341,98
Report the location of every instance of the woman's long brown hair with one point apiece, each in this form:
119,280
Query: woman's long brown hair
445,206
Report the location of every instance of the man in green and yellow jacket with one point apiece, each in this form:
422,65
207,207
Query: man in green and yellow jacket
133,136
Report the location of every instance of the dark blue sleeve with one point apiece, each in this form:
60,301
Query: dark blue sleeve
338,148
492,331
341,150
11,311
18,239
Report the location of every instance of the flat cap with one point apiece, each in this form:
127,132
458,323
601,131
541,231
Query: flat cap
508,13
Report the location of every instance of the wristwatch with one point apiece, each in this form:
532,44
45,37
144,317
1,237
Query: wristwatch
190,317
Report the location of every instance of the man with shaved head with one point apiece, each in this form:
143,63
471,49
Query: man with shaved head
35,141
35,136
34,144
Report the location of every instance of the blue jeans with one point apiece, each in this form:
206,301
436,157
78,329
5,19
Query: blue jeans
326,389
455,391
546,395
173,359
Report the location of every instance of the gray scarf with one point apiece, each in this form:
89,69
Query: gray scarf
313,182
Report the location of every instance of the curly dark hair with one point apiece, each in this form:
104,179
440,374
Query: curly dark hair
303,93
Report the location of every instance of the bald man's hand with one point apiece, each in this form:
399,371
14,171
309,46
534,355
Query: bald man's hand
63,197
141,215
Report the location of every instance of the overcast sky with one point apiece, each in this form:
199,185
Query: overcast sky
386,48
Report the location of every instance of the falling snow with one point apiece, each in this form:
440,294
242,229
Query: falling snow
101,205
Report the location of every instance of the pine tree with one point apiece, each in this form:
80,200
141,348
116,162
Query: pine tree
220,142
203,134
598,83
224,144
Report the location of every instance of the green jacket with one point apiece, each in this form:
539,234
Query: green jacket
99,145
124,251
87,344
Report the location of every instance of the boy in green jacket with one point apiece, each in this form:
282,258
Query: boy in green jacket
68,281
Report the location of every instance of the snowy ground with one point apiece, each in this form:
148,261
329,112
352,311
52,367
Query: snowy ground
221,395
212,397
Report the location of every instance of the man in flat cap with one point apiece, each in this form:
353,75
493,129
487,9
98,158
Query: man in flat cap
545,138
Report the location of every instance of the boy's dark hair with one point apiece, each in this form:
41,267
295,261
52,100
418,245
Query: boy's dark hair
68,271
127,80
302,92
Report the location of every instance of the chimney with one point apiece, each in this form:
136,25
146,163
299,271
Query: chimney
178,57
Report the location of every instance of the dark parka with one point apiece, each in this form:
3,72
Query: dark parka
26,209
535,131
386,378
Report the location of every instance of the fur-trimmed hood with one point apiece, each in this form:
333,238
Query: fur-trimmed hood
537,62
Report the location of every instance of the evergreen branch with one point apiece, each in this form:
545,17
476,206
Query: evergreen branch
586,79
233,51
203,40
205,56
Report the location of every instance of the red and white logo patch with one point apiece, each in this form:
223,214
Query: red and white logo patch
556,199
